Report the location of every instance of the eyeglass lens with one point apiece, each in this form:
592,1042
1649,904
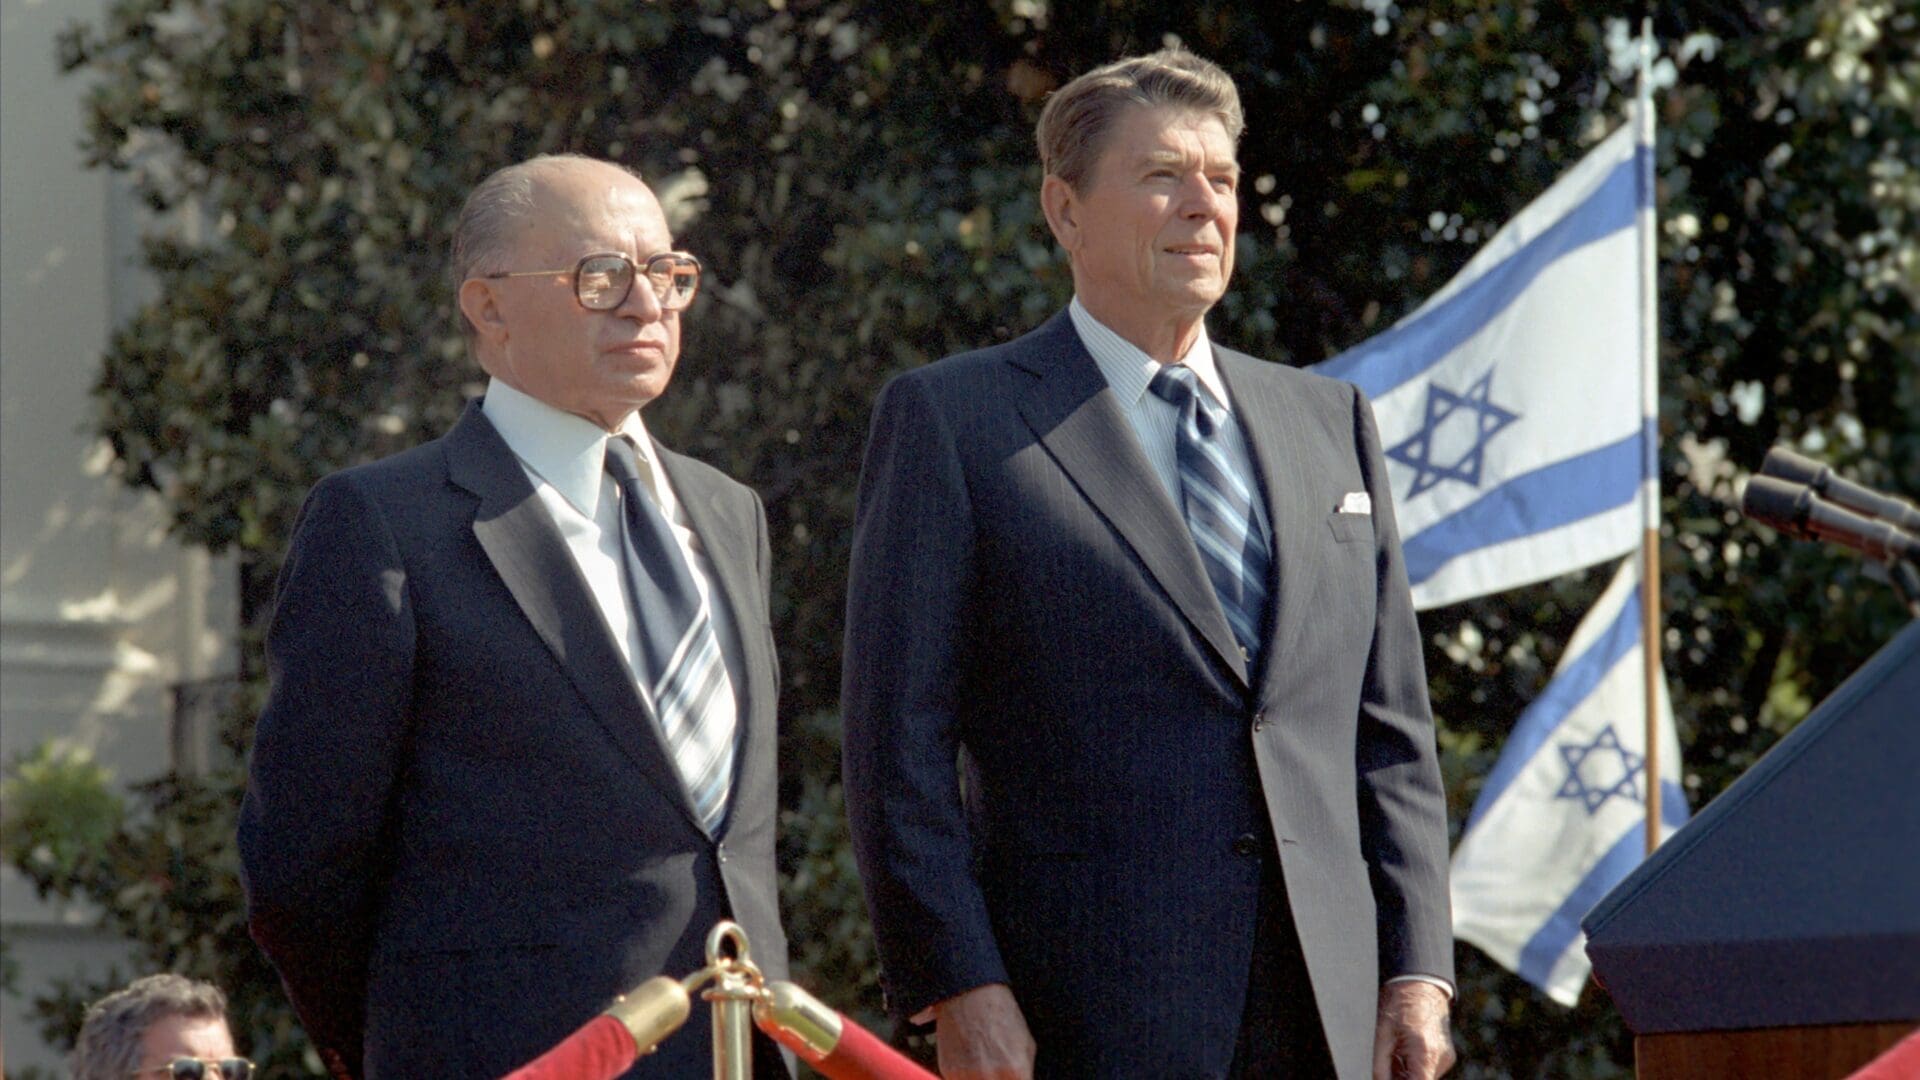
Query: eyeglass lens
196,1069
604,280
675,278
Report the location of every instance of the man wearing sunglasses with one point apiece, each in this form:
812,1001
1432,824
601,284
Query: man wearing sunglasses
518,755
164,1027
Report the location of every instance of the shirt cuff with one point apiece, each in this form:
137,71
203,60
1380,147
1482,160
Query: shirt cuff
1433,979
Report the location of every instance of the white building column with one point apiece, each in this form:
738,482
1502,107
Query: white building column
100,613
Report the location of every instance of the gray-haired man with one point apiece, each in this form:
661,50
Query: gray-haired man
161,1026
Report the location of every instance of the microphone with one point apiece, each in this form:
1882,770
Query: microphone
1795,509
1787,465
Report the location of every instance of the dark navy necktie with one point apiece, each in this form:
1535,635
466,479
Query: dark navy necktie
680,653
1218,503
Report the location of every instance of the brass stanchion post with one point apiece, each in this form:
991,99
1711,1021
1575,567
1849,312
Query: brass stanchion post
735,986
742,998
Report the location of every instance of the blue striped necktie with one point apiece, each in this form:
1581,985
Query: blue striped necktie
1218,503
680,653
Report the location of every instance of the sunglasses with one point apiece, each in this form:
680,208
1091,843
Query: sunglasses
601,282
188,1068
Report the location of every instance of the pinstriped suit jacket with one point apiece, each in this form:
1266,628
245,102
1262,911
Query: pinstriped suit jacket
1023,586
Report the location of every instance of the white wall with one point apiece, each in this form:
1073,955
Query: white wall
99,612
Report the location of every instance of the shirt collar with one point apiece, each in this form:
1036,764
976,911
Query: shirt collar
1129,370
566,451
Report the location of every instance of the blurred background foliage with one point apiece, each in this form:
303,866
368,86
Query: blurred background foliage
859,177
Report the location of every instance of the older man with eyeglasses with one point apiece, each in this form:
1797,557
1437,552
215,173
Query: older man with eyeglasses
518,755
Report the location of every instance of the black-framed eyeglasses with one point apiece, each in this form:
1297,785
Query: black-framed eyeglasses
601,281
192,1068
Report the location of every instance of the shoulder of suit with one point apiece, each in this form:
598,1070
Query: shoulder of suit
959,371
1296,380
976,371
399,472
703,473
692,476
400,490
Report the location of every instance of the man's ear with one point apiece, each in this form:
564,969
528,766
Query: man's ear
481,306
1062,208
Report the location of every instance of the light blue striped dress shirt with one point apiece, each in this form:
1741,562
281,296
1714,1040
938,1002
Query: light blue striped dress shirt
1155,421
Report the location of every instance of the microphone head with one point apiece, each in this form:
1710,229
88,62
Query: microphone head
1787,465
1779,503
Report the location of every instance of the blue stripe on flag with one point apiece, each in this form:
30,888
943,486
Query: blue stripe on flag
1546,498
1562,928
1390,359
1570,687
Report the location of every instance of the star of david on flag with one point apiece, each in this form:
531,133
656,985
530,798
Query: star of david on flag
1561,818
1511,404
1624,770
1425,452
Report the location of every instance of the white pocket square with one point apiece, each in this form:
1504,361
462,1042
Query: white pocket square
1356,502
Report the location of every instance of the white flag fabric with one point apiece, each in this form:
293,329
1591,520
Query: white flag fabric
1562,817
1510,404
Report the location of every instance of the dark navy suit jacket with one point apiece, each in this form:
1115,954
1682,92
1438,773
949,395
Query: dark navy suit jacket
462,836
1023,586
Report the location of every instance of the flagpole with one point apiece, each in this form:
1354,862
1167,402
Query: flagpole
1650,635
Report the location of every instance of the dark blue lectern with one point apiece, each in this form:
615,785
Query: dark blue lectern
1778,933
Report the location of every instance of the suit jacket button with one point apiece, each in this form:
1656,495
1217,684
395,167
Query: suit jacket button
1259,720
720,851
1247,844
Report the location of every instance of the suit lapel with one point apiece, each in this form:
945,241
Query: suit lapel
730,553
1279,431
526,550
1079,421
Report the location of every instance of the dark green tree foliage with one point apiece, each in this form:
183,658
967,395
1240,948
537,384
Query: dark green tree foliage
860,178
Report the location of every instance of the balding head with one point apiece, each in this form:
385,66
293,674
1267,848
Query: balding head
519,251
506,202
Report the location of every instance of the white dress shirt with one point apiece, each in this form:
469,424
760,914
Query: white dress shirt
565,458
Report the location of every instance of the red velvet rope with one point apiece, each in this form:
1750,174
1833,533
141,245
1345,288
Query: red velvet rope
859,1056
601,1050
1900,1062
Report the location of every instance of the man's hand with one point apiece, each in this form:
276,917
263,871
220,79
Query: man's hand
982,1036
1411,1041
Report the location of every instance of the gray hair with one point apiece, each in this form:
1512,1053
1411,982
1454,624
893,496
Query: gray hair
484,232
1074,124
108,1047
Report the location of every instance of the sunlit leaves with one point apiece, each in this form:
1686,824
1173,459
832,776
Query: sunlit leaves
859,179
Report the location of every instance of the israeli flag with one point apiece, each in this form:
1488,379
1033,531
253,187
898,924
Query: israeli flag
1511,404
1562,817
